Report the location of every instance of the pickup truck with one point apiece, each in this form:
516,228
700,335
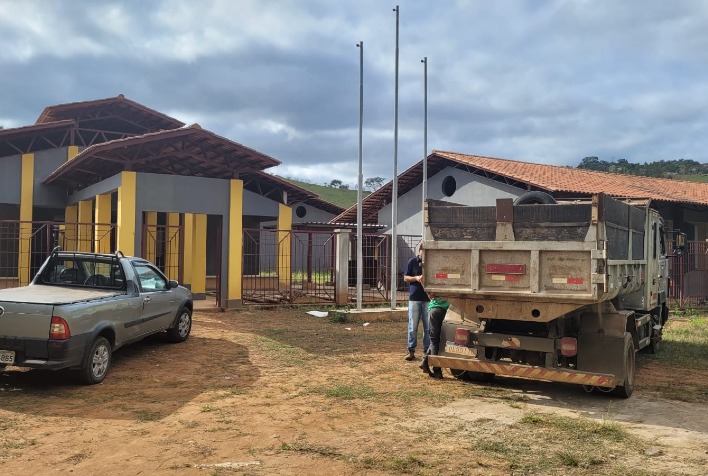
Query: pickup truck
80,307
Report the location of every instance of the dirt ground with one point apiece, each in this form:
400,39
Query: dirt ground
280,392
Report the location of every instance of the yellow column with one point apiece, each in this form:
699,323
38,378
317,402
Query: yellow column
126,214
72,151
285,224
26,204
199,245
71,216
102,220
235,257
85,227
188,248
172,238
151,236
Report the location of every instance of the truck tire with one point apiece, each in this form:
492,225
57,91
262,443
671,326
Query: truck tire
97,362
470,376
535,197
182,327
625,390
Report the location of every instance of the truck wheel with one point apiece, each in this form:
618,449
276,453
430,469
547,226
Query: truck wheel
183,326
470,376
627,387
97,362
535,197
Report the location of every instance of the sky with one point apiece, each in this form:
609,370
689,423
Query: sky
545,81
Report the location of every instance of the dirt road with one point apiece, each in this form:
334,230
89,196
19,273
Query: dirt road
280,392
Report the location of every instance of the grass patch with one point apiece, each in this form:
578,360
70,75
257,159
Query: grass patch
542,443
346,392
685,341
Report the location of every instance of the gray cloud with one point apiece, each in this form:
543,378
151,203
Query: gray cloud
540,81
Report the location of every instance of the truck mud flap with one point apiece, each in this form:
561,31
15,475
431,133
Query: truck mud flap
524,371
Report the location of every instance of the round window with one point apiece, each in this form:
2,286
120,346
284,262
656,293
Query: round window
300,211
449,186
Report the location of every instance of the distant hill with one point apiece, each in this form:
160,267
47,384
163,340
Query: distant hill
681,169
339,196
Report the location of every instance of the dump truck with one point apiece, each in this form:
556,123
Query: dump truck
556,291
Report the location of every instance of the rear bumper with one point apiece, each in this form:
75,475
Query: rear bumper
46,354
524,371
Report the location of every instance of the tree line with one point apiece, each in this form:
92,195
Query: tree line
661,168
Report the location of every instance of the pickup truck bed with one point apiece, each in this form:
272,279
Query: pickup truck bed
43,294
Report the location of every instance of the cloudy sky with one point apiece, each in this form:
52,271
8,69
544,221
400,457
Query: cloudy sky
541,81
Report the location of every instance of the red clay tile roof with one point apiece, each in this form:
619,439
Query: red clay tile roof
558,180
554,178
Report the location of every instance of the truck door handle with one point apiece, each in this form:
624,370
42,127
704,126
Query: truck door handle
147,299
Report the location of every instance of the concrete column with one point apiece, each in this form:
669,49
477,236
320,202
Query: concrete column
151,236
172,233
72,151
285,224
126,214
71,216
199,245
102,227
25,231
85,225
341,267
188,249
235,246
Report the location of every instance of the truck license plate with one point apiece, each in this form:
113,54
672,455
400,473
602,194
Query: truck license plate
459,349
7,357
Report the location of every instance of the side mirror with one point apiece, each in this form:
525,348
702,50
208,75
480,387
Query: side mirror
171,284
680,241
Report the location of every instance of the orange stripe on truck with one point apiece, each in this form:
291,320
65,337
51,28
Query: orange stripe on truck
524,371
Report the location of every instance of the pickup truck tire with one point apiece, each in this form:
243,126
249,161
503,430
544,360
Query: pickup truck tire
97,362
627,387
535,197
182,327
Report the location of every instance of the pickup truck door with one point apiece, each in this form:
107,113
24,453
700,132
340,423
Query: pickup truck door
159,302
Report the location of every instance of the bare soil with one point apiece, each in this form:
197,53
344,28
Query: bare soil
280,392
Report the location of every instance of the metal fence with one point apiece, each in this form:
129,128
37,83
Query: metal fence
298,267
689,277
24,245
163,245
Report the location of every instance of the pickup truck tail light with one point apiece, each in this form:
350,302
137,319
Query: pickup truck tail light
59,329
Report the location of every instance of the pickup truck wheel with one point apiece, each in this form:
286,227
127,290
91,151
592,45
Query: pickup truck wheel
183,326
97,362
627,387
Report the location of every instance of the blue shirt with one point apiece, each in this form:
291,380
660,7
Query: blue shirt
415,268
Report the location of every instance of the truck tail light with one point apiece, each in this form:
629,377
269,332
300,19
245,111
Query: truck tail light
462,337
569,346
59,329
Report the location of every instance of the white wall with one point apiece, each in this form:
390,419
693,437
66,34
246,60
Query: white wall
312,214
471,190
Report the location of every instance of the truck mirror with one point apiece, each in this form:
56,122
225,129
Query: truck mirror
680,241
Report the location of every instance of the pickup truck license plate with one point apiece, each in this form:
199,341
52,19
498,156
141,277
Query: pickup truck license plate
7,357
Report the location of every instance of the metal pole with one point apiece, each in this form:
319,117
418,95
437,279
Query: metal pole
394,192
425,144
359,193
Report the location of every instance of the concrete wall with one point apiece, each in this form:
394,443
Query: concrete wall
46,162
10,179
312,214
471,190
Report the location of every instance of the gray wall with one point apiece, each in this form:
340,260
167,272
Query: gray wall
312,214
10,179
46,162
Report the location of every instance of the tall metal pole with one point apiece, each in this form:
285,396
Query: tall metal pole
359,193
425,144
394,192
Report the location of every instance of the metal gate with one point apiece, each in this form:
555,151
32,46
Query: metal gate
24,245
689,277
163,245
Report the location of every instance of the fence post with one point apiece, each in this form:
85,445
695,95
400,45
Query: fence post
341,267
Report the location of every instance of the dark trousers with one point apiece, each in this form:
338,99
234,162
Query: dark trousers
436,316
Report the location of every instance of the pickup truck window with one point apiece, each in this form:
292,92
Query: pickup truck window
78,270
150,279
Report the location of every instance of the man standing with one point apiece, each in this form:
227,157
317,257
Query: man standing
417,304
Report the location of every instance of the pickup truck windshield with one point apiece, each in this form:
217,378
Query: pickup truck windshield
84,271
